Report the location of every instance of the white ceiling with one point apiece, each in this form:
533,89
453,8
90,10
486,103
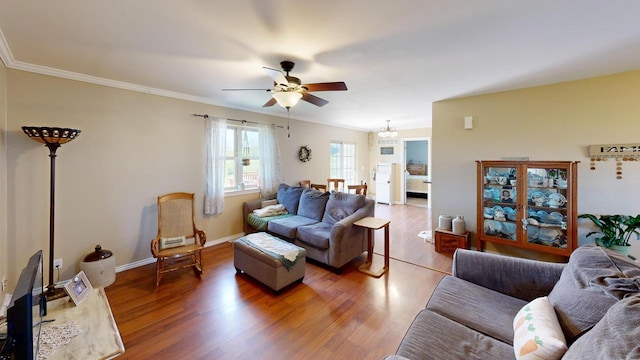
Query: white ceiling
396,56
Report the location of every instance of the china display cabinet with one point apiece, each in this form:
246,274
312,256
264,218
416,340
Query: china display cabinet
528,204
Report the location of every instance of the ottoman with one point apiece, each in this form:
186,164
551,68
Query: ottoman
254,255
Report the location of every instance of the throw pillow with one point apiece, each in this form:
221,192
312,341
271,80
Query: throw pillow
614,337
593,280
341,205
289,196
312,204
172,242
537,333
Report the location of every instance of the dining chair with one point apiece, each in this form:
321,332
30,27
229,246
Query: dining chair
319,187
334,184
305,183
359,189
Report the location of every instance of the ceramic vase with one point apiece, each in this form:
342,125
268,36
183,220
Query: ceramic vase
459,225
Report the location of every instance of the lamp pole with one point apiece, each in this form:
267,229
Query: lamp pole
51,288
52,138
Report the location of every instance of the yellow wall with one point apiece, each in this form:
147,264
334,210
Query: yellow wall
133,147
555,122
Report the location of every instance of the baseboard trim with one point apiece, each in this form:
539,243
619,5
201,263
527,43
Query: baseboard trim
151,260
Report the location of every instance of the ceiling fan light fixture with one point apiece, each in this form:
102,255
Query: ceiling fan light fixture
287,99
388,131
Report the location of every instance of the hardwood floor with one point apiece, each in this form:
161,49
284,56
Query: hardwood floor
224,315
406,222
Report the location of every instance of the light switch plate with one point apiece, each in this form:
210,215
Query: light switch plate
468,122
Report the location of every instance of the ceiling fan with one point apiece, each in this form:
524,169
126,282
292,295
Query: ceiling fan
287,90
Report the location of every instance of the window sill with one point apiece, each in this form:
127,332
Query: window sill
232,193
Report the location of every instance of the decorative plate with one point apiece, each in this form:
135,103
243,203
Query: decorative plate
304,154
555,218
557,200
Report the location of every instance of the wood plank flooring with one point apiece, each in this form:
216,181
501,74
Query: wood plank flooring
224,315
406,222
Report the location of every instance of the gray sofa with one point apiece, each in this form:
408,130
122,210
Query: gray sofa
470,315
319,222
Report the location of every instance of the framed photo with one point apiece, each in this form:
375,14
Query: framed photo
386,150
506,195
78,288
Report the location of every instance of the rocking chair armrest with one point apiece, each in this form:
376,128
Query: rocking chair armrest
201,235
155,246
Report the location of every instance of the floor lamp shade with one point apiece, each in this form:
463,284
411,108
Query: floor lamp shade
52,138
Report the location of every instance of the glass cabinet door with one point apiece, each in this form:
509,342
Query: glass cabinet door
546,206
499,200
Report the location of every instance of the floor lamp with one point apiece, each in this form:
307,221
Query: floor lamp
52,138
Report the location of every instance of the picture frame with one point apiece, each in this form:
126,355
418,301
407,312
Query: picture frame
386,150
506,195
78,288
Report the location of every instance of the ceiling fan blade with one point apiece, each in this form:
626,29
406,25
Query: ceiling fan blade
245,89
271,102
277,76
328,86
314,99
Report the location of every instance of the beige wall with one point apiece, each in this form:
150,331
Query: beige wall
319,137
556,122
133,147
3,175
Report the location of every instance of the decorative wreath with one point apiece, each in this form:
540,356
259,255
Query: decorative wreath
304,154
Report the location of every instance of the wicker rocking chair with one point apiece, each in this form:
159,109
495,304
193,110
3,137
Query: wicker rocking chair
179,242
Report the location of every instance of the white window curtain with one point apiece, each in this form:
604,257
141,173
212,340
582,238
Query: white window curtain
216,130
270,164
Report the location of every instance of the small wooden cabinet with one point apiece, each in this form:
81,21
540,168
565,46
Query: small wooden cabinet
528,204
447,241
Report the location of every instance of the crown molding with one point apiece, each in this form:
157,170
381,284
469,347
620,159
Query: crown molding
5,52
10,62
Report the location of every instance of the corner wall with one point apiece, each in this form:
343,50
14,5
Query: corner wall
555,122
3,176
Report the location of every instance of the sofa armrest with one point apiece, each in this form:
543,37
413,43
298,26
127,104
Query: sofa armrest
525,279
346,240
248,207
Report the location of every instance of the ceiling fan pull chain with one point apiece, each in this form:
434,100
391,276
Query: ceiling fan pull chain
288,129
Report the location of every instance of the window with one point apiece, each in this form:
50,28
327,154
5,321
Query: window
343,162
247,155
242,143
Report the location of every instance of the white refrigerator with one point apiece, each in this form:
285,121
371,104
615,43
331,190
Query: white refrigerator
384,183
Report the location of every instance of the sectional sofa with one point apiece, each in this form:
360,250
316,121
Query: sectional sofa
499,307
319,222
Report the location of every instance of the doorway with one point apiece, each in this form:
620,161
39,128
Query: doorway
416,173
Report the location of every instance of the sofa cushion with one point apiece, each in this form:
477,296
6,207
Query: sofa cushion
289,196
312,204
316,235
486,311
614,337
261,223
287,226
341,205
537,332
593,280
433,336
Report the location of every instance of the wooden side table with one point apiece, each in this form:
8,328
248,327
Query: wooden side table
99,337
372,224
447,241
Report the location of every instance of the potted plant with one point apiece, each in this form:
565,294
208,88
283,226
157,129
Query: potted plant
615,230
